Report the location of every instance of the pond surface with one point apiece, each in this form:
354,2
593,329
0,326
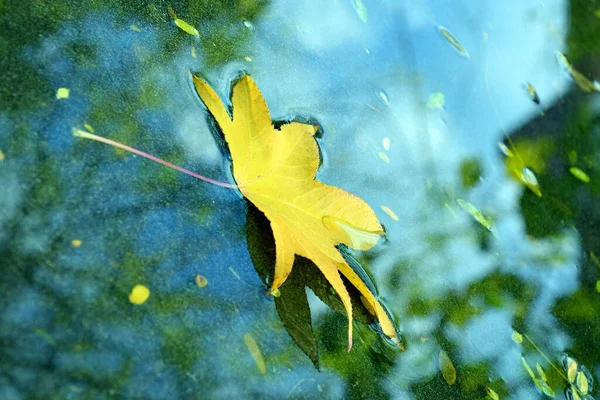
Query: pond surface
472,130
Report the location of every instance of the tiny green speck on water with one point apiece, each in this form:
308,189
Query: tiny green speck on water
436,101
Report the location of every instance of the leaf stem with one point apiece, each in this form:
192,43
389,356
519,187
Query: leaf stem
87,135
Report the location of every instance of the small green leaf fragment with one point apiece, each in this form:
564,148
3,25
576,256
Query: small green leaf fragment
63,93
384,157
475,213
517,337
531,374
255,353
276,293
582,383
2,156
201,281
541,372
572,371
135,28
187,28
492,394
447,368
436,101
598,286
579,174
504,149
360,9
453,42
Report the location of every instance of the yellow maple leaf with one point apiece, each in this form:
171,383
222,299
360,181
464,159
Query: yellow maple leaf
275,169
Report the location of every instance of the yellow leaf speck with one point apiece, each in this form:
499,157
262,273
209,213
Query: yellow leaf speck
390,212
447,368
579,174
436,101
62,93
193,51
582,383
75,242
572,371
134,28
201,281
89,128
492,394
248,59
187,28
517,337
384,157
255,353
139,294
2,156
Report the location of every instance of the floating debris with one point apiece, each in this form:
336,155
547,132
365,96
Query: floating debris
135,28
201,281
248,59
492,394
356,238
139,294
530,180
453,41
436,101
582,383
504,149
181,24
2,156
390,212
255,353
517,337
384,157
193,51
532,93
384,97
89,128
234,273
475,213
248,25
63,93
539,382
360,9
386,143
579,174
76,243
584,83
447,368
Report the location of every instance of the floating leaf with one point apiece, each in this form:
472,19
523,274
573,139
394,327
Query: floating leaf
384,157
584,83
360,9
492,394
255,353
447,368
517,337
181,24
541,372
201,281
532,93
579,174
582,383
139,294
2,156
475,213
453,42
390,212
436,101
75,242
63,93
274,169
385,142
135,28
572,371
